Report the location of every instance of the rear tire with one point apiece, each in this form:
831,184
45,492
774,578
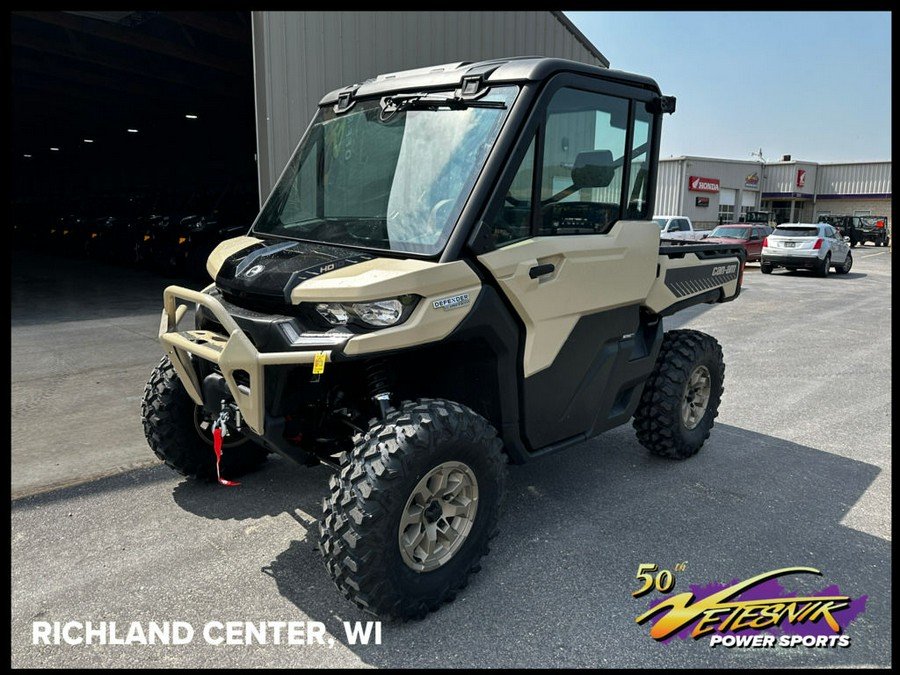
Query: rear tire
680,400
823,266
765,268
180,434
411,512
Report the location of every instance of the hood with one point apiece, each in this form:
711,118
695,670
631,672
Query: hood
725,240
272,270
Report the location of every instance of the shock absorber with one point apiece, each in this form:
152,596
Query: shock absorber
378,381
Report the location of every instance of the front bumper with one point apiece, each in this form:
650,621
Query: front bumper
233,353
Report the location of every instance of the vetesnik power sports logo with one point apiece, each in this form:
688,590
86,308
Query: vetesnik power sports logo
756,613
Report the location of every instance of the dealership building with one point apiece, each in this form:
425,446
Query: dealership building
710,191
251,80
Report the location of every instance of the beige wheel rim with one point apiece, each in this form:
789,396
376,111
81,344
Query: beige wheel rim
697,391
438,516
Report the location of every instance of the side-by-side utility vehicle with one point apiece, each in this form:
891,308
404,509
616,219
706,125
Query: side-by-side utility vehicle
457,270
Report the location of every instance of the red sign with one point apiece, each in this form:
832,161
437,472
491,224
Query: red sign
701,201
698,184
801,177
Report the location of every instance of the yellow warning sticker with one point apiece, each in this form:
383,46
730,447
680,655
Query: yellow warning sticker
319,363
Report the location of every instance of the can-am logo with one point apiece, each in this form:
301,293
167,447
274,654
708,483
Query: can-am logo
253,271
698,184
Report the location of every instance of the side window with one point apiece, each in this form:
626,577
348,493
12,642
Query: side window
577,170
638,208
581,173
513,220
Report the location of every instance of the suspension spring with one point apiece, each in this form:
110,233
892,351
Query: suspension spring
377,377
378,380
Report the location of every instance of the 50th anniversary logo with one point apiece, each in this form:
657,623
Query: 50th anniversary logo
754,613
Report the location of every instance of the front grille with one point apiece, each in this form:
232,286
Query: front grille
251,305
264,328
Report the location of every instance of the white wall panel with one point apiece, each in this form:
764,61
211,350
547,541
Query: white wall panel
855,179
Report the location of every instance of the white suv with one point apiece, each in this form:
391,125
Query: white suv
814,246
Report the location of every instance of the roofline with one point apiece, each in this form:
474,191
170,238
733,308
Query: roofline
514,69
564,20
758,162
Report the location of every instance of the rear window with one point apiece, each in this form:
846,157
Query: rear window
781,231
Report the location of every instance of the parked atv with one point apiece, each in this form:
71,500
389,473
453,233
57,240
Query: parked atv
438,286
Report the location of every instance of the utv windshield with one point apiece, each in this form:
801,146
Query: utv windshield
391,174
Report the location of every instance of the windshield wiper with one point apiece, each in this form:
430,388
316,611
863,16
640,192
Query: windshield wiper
391,105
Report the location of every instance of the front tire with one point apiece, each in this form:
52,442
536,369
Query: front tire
681,397
411,512
180,434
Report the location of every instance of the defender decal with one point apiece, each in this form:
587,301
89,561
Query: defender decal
690,280
452,302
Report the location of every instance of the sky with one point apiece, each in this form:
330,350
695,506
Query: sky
813,85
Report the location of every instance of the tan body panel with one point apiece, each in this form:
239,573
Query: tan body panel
384,278
716,273
379,279
388,278
591,273
225,250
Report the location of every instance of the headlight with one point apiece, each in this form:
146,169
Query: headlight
334,313
379,313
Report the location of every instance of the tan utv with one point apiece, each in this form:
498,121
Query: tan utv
456,271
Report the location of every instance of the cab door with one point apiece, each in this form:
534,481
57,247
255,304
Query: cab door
754,243
575,255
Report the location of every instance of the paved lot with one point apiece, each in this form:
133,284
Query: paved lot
797,472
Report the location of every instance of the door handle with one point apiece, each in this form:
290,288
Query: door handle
541,270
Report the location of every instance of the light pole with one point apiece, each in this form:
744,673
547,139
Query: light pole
762,177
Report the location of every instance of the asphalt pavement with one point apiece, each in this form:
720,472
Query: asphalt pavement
118,562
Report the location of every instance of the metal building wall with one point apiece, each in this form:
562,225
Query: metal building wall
669,190
781,180
673,196
854,189
841,188
871,178
301,56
